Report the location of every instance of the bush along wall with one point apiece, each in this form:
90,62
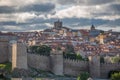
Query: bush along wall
41,50
113,73
74,56
115,76
83,76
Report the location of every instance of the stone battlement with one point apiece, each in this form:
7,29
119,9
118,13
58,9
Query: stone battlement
17,54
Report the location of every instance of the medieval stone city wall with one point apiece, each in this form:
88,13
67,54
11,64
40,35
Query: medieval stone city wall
17,54
10,53
71,67
94,66
56,62
3,51
75,67
105,68
39,62
56,65
21,56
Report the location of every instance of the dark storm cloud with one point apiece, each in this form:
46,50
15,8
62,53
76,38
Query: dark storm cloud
85,2
25,27
37,24
115,7
45,8
7,9
74,22
97,2
66,2
113,23
31,24
109,8
112,9
13,23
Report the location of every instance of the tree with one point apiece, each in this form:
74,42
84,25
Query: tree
74,56
69,49
79,57
33,49
102,60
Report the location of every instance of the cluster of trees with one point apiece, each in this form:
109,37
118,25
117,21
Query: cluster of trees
69,49
102,60
115,59
42,50
69,53
74,56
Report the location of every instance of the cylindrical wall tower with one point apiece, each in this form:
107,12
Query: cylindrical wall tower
94,66
19,56
57,62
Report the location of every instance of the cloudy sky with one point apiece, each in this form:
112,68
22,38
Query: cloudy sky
29,15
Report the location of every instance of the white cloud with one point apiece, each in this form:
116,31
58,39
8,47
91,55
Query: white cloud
74,11
106,28
20,3
88,9
42,16
90,12
7,17
23,17
110,17
12,28
17,17
48,24
5,2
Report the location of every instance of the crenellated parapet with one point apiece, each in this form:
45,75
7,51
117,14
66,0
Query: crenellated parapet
75,67
39,61
105,68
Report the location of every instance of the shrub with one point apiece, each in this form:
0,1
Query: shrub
115,76
83,76
102,60
6,66
42,50
112,72
115,59
74,56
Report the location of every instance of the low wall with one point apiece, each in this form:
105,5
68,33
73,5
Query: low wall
107,67
74,67
39,62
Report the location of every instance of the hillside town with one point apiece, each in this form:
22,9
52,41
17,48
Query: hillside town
84,41
60,51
